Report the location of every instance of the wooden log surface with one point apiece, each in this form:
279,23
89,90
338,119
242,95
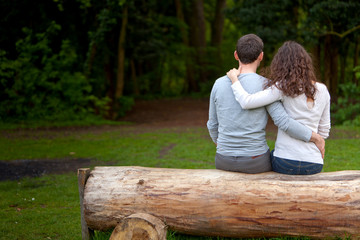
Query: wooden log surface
212,202
83,174
140,226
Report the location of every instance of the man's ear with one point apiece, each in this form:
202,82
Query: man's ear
236,56
261,56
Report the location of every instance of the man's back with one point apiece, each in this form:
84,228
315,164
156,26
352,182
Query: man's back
240,132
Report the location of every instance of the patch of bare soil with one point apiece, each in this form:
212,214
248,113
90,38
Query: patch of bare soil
145,115
15,170
169,113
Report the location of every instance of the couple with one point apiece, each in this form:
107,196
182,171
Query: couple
239,105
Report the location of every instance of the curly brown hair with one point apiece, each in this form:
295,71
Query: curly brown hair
292,71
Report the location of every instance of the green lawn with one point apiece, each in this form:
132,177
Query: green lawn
48,207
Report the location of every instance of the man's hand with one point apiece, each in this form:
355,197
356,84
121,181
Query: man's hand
233,74
319,142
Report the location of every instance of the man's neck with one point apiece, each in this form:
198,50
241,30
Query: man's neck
249,68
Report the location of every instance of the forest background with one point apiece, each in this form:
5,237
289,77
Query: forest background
64,60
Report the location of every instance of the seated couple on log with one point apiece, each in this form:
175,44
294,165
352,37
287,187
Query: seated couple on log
298,105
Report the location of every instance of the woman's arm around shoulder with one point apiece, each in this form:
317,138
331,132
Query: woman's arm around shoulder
249,101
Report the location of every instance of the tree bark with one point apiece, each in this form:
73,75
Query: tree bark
90,59
344,50
316,57
197,43
121,55
219,203
83,175
356,58
218,23
190,80
331,55
217,27
136,90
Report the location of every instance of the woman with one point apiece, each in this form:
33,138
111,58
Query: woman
292,81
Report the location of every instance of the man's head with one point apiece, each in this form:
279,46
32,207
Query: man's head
248,48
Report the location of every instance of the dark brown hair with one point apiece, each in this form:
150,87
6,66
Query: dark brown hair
292,71
248,48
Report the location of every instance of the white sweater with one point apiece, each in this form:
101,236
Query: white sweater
316,117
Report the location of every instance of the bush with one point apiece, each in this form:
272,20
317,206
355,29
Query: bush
44,84
125,104
347,108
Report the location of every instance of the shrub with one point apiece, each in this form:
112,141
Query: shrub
347,108
42,83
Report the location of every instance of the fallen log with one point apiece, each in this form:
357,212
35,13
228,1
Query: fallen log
139,226
212,202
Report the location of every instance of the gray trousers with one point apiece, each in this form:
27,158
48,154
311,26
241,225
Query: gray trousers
255,164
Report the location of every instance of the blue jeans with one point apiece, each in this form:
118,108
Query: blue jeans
293,167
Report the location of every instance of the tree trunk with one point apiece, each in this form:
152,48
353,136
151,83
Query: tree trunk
218,23
136,90
197,43
190,80
90,59
316,57
109,77
331,54
219,203
344,50
121,55
217,27
356,58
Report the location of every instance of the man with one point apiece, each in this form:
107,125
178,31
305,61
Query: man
240,134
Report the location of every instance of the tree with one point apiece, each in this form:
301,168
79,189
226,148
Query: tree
333,23
273,22
126,48
195,20
325,27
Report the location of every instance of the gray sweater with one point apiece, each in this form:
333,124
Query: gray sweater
240,132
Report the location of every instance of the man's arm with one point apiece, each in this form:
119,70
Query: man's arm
212,123
319,142
293,127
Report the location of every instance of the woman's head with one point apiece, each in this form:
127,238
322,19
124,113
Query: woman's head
292,71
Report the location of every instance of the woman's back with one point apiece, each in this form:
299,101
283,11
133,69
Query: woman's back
316,116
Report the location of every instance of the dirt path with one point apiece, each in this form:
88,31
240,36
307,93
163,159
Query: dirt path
173,113
169,113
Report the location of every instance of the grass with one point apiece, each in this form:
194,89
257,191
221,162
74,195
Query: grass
48,207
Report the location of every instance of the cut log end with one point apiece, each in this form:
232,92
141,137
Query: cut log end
140,226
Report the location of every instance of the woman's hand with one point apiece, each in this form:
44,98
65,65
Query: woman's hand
233,74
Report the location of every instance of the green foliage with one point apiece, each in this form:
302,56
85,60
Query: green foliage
173,81
69,70
125,104
42,83
263,18
347,108
331,15
357,72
